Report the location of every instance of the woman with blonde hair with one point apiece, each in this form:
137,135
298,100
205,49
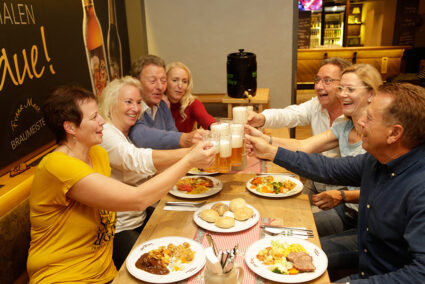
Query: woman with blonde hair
358,84
121,106
186,109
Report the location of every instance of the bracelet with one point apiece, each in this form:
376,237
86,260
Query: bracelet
343,195
270,139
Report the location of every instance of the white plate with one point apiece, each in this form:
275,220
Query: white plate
188,270
320,260
239,225
217,186
196,171
297,189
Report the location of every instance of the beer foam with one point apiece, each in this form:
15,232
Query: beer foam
225,149
237,128
237,141
240,114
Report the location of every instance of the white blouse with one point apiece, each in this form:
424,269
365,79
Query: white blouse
130,165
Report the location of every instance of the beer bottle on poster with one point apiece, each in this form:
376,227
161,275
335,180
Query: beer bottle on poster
95,48
113,43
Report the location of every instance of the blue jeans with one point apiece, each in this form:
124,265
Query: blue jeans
341,249
335,220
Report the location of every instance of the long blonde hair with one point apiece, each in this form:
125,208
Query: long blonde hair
187,98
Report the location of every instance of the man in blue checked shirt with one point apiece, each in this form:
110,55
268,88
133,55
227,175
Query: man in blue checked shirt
391,175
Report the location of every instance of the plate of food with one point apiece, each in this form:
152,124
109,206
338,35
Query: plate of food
201,172
226,216
196,187
274,186
286,260
166,260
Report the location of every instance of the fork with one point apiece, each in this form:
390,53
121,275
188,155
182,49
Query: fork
289,233
185,204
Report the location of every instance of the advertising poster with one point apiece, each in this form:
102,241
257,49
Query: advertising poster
47,43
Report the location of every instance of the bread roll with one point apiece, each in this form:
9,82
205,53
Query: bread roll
225,222
237,203
244,213
209,215
220,207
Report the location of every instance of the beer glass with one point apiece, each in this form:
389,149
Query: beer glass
214,139
220,128
237,131
225,159
240,114
235,276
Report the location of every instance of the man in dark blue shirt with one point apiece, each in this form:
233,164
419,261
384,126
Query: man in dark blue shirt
391,226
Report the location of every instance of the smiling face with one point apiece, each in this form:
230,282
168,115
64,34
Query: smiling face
177,83
353,95
154,83
127,108
326,87
90,130
375,128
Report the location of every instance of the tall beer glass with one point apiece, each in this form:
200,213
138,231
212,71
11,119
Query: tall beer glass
237,131
220,128
240,114
214,138
225,154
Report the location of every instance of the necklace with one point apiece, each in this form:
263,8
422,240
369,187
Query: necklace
72,154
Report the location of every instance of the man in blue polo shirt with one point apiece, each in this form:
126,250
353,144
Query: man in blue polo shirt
156,128
391,175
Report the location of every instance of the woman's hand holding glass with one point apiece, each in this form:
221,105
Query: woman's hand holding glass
202,155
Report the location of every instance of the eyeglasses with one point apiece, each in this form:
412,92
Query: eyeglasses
350,89
19,169
326,81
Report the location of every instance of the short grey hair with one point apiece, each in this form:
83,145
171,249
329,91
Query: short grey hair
337,61
139,64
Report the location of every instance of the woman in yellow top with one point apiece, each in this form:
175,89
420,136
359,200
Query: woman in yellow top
73,200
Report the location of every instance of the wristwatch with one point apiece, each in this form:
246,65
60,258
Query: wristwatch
343,195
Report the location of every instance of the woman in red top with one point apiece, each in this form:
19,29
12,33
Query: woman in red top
186,109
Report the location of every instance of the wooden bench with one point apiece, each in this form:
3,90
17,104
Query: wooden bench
15,223
15,241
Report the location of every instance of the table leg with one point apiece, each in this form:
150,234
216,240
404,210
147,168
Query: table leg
260,108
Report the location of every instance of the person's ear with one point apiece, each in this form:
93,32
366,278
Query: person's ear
395,133
69,127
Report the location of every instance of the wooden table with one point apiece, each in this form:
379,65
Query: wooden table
261,100
295,211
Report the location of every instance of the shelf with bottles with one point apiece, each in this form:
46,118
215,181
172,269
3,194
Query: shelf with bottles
332,42
314,42
332,33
